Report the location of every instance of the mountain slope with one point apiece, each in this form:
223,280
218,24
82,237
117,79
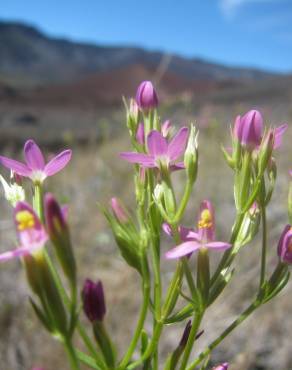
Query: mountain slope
28,54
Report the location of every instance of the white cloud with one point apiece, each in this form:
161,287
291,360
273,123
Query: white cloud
230,7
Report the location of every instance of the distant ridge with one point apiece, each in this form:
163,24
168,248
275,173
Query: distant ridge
28,54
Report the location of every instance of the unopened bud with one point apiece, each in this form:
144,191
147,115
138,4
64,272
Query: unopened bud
12,192
248,129
140,134
191,154
266,150
119,211
58,231
146,96
290,199
93,300
166,128
186,333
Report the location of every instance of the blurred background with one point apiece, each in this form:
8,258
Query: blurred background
64,67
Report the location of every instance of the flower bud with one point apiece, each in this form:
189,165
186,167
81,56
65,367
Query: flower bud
140,134
266,150
58,231
146,96
13,192
191,155
119,211
93,300
285,245
186,333
15,178
290,199
166,128
248,129
134,110
221,367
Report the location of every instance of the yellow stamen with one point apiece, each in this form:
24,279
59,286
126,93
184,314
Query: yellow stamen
205,220
25,220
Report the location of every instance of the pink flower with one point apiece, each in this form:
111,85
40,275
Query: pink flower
204,238
31,233
285,245
35,167
160,151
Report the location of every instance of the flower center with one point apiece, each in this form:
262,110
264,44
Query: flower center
25,220
205,221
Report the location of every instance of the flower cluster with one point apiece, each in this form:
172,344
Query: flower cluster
159,151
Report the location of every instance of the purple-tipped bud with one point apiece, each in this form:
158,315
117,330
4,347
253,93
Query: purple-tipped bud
119,211
134,110
249,128
140,134
58,231
55,221
146,96
222,366
186,333
285,245
93,300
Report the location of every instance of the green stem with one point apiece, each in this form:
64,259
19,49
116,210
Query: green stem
73,359
38,203
140,324
184,201
224,334
227,256
171,297
192,337
264,246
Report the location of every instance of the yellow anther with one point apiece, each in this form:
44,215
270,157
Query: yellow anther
25,220
205,220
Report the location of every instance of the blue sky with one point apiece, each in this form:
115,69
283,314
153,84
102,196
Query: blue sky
235,32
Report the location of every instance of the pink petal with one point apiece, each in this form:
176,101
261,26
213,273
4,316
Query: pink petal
156,143
19,252
177,166
167,229
33,156
279,132
220,246
58,162
165,128
178,144
18,167
183,249
188,234
143,159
